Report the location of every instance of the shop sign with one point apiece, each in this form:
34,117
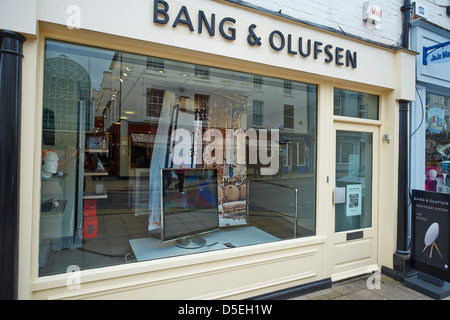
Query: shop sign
430,239
439,53
278,40
442,56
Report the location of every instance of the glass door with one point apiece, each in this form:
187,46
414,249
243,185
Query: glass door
354,153
355,198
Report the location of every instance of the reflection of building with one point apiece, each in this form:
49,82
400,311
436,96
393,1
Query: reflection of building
67,115
294,120
132,92
67,80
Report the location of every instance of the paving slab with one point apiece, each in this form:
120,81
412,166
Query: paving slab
363,288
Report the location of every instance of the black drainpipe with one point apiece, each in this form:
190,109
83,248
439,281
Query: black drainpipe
402,253
11,55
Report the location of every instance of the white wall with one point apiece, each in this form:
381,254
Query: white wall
18,16
346,15
342,15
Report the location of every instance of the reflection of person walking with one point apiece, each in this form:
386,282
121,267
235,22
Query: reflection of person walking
257,170
180,175
167,180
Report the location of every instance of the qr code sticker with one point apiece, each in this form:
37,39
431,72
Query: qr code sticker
353,200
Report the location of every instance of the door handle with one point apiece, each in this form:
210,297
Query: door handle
339,195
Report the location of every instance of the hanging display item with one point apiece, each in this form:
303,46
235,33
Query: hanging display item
231,176
436,120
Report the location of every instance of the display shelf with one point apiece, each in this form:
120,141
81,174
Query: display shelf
96,150
91,194
56,211
55,177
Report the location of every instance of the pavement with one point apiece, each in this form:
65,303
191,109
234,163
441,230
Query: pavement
366,287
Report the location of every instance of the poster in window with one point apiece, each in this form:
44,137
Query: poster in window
231,175
353,201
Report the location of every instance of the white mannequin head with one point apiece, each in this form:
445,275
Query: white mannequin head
432,174
49,163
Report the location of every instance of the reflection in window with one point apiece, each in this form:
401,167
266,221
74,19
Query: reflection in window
287,88
201,106
355,104
354,151
202,72
154,102
113,120
258,113
288,116
257,82
154,64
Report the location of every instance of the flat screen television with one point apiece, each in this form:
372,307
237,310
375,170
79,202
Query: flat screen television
188,205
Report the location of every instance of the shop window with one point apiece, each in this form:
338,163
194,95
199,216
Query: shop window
437,143
135,162
356,104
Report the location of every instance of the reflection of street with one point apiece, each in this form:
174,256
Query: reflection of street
266,201
273,196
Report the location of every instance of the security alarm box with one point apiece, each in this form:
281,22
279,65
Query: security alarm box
420,11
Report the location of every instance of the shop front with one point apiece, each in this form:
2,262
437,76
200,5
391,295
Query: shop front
185,152
429,158
430,113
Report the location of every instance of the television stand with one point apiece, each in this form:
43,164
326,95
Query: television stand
151,248
193,242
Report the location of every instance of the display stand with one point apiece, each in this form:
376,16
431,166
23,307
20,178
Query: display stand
151,248
191,243
428,285
51,218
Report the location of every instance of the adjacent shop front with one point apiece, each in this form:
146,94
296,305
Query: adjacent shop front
192,152
429,156
430,113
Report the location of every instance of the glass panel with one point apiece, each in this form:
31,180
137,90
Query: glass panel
354,173
437,140
355,104
118,128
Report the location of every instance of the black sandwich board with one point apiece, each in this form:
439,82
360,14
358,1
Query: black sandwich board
430,225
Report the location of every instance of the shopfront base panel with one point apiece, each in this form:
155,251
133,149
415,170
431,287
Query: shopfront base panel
238,274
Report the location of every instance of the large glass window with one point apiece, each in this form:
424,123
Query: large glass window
437,139
355,104
146,158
